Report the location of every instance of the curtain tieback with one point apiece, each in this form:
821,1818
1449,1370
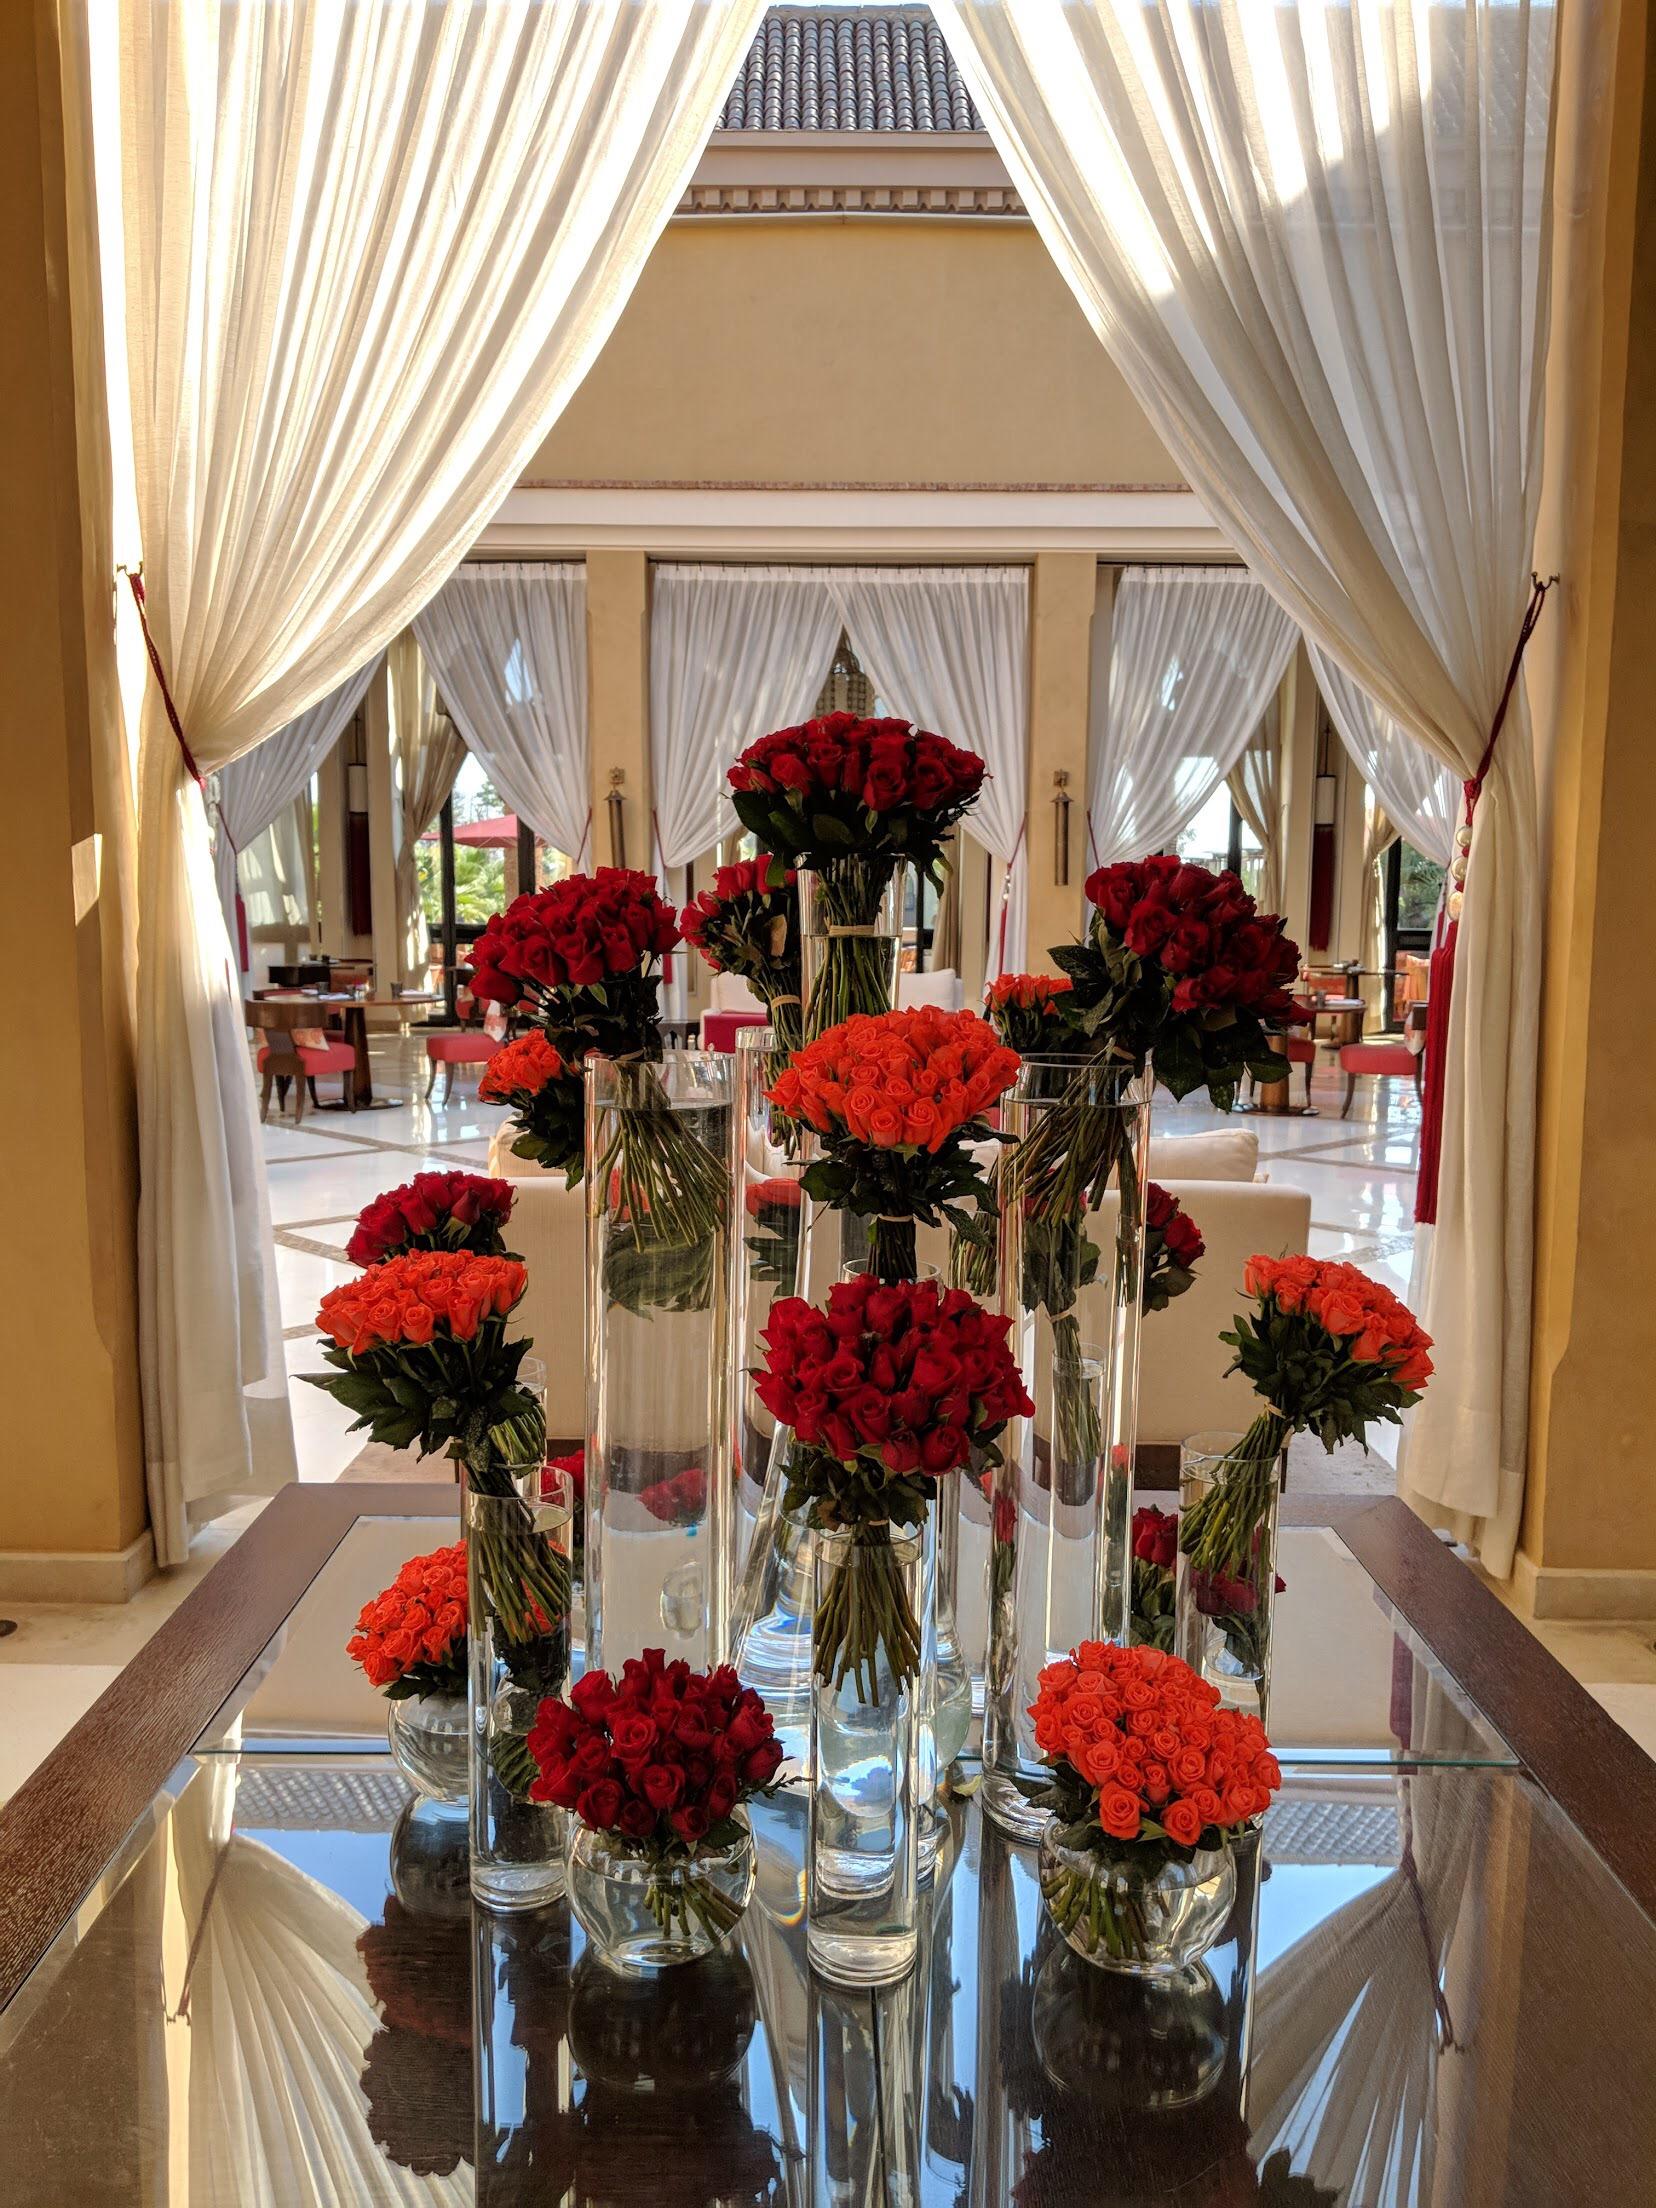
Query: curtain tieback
136,580
1441,974
1006,899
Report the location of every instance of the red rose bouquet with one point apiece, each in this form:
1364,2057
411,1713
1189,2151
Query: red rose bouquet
886,1390
434,1211
661,1760
1155,1558
1180,962
1173,1248
1146,1771
896,1098
411,1640
1329,1352
547,1099
572,1469
854,800
748,924
584,954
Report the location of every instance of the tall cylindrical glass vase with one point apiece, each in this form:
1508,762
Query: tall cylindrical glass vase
872,1685
659,1439
1071,1255
1225,1595
518,1586
767,1214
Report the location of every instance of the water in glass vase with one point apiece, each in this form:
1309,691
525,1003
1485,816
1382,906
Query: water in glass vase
871,1685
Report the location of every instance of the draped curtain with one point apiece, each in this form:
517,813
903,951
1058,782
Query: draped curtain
1419,795
1313,238
734,653
1255,784
276,873
430,752
1196,653
370,252
254,789
948,648
506,644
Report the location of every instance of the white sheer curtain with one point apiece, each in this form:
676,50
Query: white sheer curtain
275,875
1313,237
1418,794
1255,782
948,648
371,249
734,653
430,752
263,782
1196,654
506,644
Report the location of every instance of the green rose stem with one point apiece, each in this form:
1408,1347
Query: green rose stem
855,971
864,1612
679,1899
1217,1533
671,1194
1113,1915
892,1257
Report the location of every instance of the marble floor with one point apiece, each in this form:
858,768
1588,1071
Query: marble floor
1360,1172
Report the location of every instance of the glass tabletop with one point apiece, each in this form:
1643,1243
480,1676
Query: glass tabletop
1351,1685
1429,1991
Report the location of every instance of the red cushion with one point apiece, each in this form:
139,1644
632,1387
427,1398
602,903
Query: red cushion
720,1029
1299,1050
1377,1058
318,1057
462,1049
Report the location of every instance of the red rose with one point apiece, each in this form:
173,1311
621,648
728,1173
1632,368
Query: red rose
600,1805
661,1785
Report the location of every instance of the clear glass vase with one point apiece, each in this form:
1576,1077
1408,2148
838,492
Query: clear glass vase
851,938
430,1736
1136,1907
871,1686
644,1912
1225,1594
519,1591
1070,1253
658,1477
768,1216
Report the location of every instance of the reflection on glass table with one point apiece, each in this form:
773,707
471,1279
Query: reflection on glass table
1429,1991
1350,1683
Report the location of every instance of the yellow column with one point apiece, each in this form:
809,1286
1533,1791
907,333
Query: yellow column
1063,591
618,703
1300,706
72,1511
1589,1534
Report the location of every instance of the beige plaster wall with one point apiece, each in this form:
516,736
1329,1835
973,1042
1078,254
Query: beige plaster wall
852,351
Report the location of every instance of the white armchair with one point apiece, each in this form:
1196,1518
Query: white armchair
941,985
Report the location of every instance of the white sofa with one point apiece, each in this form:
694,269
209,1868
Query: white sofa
547,1229
728,993
940,985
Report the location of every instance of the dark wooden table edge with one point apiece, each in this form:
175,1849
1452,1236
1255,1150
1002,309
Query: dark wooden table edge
71,1815
1567,1742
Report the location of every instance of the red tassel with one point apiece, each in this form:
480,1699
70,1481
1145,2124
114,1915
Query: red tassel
1440,983
241,934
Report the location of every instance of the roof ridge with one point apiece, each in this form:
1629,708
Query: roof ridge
849,69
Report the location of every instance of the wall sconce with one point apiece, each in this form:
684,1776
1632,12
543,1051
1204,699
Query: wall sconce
617,804
1060,827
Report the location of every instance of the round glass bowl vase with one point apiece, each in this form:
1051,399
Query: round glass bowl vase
643,1915
1139,1909
428,1734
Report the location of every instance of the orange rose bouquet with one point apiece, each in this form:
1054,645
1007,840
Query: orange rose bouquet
896,1098
1329,1351
1151,1784
547,1099
411,1639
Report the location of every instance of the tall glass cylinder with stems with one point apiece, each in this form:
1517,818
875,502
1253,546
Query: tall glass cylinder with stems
1071,1257
872,1684
517,1520
767,1213
658,1480
851,938
1225,1594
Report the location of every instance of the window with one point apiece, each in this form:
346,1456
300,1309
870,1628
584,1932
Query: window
1219,837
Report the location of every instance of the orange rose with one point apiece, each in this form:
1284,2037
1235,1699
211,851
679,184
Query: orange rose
1182,1824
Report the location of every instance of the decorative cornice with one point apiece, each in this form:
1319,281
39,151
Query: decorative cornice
677,483
999,201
